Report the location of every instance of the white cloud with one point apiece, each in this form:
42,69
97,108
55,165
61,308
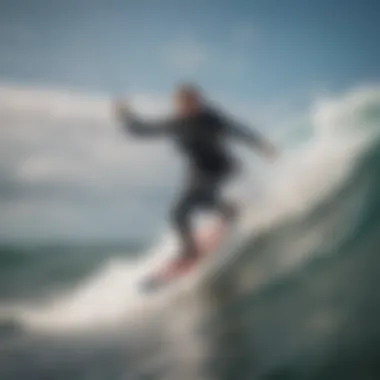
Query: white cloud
63,151
50,103
187,56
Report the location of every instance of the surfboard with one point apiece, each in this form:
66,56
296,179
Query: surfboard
208,240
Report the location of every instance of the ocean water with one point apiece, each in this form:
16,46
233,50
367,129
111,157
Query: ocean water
298,298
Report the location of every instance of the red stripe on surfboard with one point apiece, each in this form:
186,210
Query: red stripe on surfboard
207,240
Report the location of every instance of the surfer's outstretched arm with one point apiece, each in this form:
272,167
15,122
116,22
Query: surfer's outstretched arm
138,127
251,137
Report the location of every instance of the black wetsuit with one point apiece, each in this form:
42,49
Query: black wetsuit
202,139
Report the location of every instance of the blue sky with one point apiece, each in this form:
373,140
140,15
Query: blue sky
259,49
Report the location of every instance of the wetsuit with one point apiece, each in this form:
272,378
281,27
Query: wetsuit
202,139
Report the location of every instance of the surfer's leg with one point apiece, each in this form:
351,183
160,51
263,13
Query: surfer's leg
215,200
227,209
182,222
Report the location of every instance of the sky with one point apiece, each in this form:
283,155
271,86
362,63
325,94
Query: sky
259,49
65,171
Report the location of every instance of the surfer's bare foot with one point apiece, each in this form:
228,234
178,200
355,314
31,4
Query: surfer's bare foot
189,258
183,263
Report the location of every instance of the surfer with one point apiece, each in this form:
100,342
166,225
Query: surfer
200,132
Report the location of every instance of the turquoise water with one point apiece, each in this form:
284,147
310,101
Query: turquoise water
320,321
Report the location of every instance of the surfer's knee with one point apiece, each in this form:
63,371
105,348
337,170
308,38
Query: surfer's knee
229,211
180,215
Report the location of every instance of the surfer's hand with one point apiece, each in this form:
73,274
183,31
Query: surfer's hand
270,152
122,109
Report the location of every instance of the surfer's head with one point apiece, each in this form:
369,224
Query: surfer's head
188,99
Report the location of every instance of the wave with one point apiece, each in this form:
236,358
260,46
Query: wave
316,202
